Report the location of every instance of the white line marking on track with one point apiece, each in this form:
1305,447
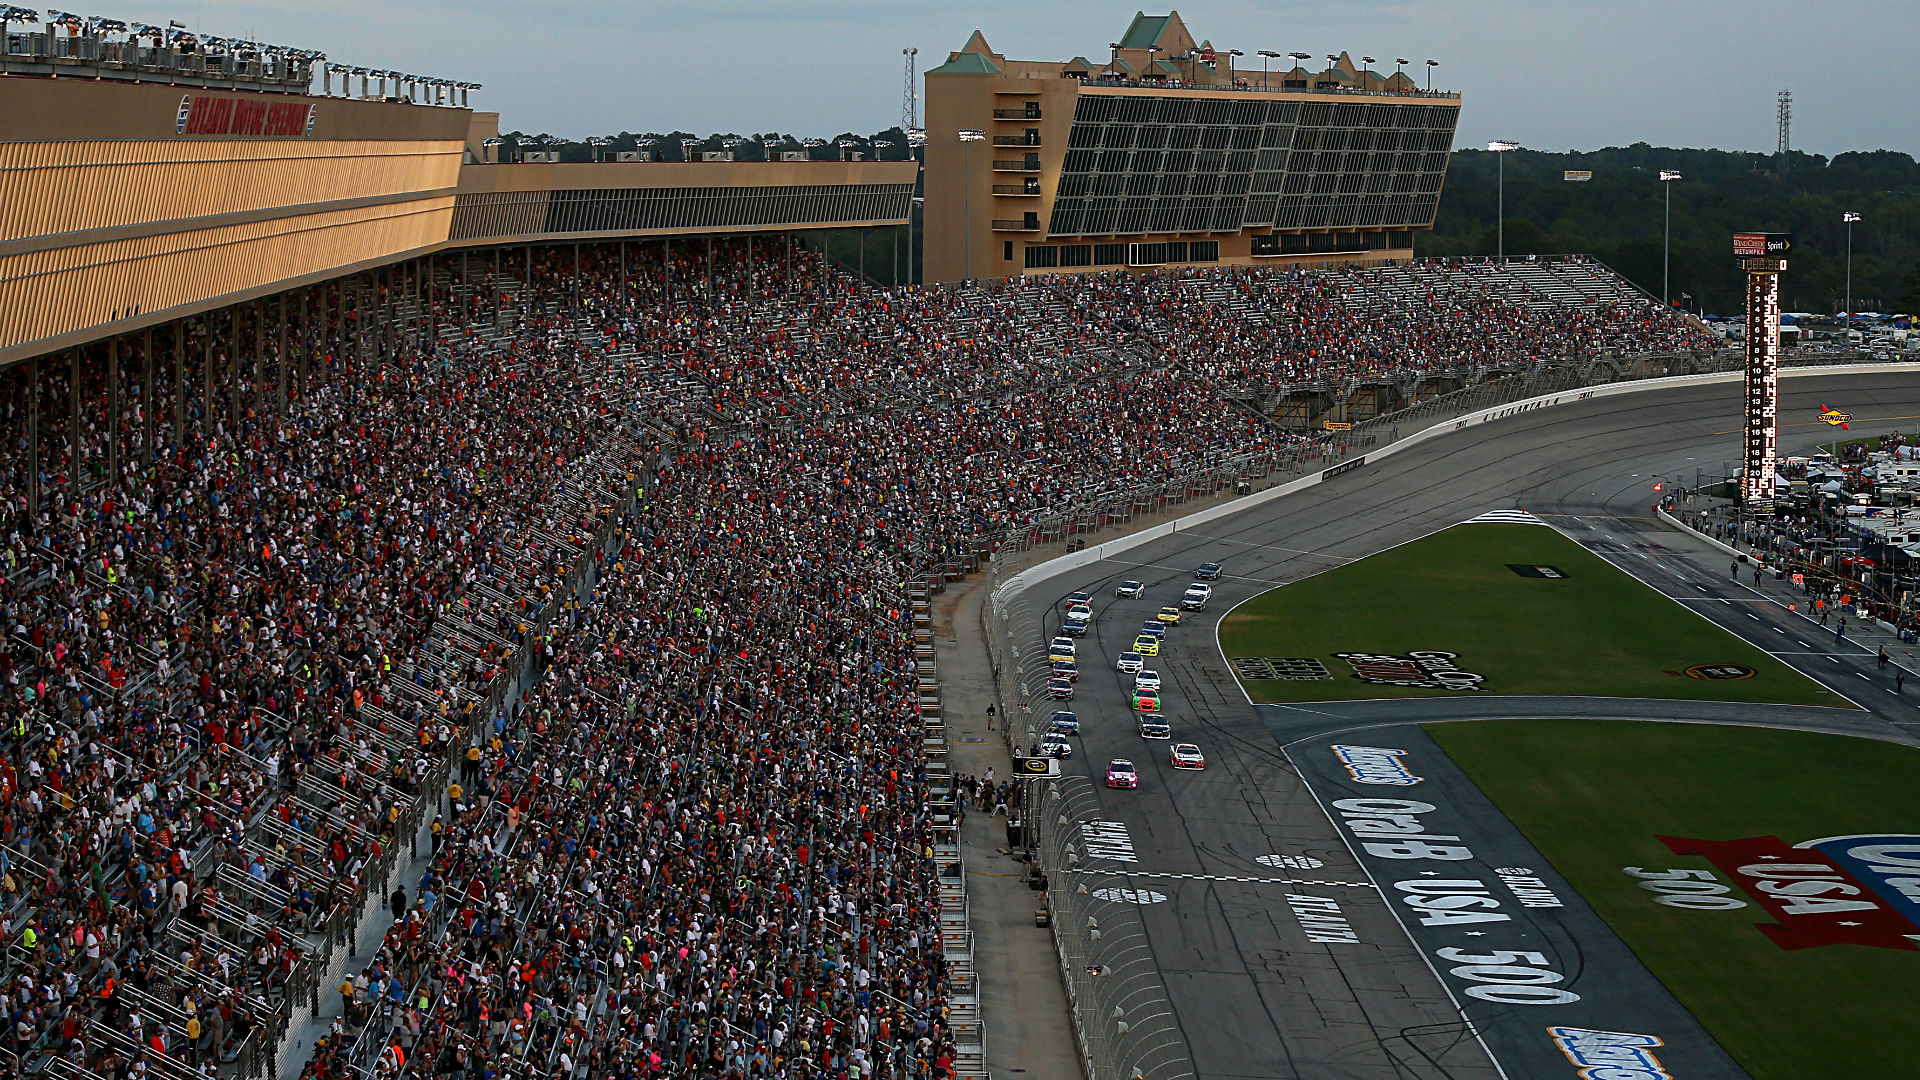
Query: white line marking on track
1253,879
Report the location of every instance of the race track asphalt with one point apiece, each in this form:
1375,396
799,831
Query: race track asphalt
1276,949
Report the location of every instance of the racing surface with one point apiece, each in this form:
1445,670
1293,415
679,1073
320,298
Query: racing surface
1277,950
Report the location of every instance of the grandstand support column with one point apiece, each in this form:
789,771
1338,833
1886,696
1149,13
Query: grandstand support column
465,289
280,364
306,346
359,322
789,260
493,292
526,289
146,397
749,256
576,275
179,381
255,395
206,373
76,446
709,266
233,370
33,438
623,268
113,409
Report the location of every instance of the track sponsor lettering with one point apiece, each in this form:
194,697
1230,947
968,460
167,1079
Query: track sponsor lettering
1816,899
1295,668
1451,901
1375,765
1610,1055
1391,829
1508,976
1431,669
1527,888
1322,920
1107,840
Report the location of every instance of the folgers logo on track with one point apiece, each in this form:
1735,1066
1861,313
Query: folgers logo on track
1375,765
1841,890
1610,1055
1430,669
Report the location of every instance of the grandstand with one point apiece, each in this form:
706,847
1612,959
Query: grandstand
479,635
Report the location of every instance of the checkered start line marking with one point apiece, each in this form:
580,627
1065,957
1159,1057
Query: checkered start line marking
1249,879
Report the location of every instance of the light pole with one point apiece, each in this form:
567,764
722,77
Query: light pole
969,136
1300,61
1431,64
1499,147
1849,218
1667,177
1231,53
1332,67
1266,55
1399,70
1366,67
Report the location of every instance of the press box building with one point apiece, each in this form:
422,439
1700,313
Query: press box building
1170,151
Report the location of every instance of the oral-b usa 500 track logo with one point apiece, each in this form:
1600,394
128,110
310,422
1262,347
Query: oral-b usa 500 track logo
1375,765
1610,1055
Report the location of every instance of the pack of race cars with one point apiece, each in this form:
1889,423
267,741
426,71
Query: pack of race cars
1063,654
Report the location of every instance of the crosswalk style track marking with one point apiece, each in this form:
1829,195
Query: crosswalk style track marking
1245,878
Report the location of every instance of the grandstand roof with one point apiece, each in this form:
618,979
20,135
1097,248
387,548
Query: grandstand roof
967,63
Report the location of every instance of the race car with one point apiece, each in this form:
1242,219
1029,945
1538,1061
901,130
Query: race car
1077,599
1147,645
1155,726
1169,615
1120,774
1055,746
1146,701
1130,589
1074,627
1186,756
1129,662
1060,688
1153,628
1061,648
1196,597
1207,571
1146,679
1065,722
1080,613
1066,669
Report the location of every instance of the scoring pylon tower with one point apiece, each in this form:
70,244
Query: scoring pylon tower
1763,257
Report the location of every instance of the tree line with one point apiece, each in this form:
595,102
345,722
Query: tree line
1618,217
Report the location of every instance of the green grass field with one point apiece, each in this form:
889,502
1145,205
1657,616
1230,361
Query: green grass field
1595,631
1592,795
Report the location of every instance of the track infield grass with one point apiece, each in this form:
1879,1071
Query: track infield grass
1593,795
1595,631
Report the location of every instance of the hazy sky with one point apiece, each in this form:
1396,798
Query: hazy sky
1552,74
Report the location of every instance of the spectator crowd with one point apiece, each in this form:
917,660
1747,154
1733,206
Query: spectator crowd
678,814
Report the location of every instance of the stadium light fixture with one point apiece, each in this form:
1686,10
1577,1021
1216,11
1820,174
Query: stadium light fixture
1667,177
1848,218
1266,55
1367,67
1300,60
1431,64
1499,148
1399,68
1231,53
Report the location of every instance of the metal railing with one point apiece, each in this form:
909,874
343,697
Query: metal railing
1010,225
38,52
1015,189
1016,114
1003,165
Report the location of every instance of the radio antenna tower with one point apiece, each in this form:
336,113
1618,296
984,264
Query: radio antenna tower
909,101
1785,113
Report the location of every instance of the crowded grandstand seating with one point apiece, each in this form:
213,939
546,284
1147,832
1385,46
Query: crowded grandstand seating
244,670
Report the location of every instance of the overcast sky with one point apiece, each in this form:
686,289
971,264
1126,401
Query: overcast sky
1552,74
